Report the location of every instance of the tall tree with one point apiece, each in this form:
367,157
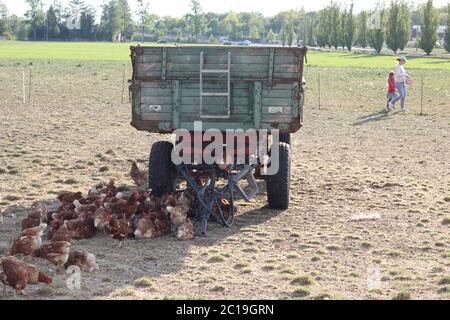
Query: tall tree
377,33
323,28
334,16
58,9
428,27
283,35
52,23
3,18
198,24
362,29
116,22
349,32
398,25
125,19
142,13
309,29
254,33
341,26
231,24
270,36
87,22
73,20
290,34
35,17
447,31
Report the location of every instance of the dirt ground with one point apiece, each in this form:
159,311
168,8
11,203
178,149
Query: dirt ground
370,212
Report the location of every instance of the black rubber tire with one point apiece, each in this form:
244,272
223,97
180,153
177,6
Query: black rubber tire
279,185
162,173
285,138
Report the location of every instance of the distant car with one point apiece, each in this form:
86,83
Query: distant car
227,43
245,43
161,41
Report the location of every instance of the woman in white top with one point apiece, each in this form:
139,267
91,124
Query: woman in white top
401,77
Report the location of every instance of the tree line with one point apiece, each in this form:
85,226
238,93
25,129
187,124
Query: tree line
335,26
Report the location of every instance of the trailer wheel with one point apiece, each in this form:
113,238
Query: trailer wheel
162,172
278,185
286,138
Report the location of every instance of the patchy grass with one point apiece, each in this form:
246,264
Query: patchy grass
444,281
300,292
444,290
241,265
124,292
70,181
303,280
104,169
268,268
216,259
144,282
394,253
333,247
208,279
287,271
12,198
247,271
366,245
402,296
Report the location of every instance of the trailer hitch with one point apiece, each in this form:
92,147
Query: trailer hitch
211,198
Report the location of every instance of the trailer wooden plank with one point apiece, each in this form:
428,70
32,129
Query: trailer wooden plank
156,116
157,100
264,87
280,118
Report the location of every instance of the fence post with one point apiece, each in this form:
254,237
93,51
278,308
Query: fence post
318,80
23,87
421,97
29,87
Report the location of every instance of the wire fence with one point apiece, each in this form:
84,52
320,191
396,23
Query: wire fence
106,82
367,89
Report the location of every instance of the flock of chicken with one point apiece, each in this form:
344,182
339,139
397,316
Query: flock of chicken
103,209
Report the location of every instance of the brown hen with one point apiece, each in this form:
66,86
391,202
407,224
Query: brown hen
28,241
56,252
84,260
14,274
140,177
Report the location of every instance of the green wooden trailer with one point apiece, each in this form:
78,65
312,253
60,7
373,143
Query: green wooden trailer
224,87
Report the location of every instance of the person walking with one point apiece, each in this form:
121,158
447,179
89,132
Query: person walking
401,79
392,89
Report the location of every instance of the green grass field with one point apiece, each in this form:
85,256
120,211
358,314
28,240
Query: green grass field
105,51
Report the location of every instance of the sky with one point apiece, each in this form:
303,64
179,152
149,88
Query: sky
178,8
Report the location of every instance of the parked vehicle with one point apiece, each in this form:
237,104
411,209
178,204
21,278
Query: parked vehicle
257,88
245,43
161,41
